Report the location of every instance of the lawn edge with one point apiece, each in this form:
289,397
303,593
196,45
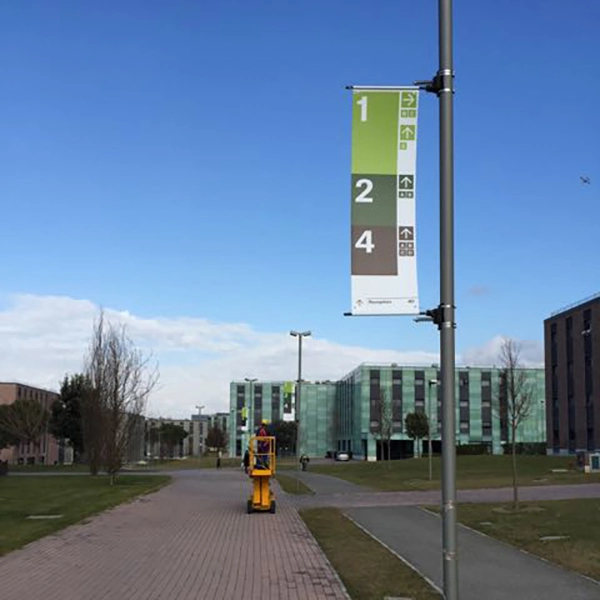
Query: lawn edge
324,554
89,517
527,552
392,551
309,493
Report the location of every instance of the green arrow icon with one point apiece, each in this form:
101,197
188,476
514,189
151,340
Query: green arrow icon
407,132
409,99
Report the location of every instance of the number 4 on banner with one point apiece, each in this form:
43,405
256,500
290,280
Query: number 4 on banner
365,241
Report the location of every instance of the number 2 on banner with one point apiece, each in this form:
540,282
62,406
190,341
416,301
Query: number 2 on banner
367,184
365,241
363,108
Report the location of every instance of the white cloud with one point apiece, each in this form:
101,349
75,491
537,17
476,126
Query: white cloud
532,353
479,290
45,337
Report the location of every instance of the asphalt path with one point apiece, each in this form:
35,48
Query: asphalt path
488,569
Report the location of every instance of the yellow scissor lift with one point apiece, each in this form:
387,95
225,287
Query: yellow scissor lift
261,451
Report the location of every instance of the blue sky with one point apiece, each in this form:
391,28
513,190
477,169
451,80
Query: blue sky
190,160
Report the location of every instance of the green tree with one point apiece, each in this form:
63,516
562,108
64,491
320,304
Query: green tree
6,439
285,436
215,438
66,419
171,436
23,421
417,427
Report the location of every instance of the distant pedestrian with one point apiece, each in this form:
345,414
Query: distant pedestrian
219,458
304,460
246,461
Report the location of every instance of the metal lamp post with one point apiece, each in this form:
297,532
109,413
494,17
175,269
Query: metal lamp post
432,382
444,316
200,438
250,411
299,335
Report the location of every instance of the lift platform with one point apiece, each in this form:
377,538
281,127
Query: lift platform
261,450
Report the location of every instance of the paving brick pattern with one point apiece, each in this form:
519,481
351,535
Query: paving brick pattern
191,540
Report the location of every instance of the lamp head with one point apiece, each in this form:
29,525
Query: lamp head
300,333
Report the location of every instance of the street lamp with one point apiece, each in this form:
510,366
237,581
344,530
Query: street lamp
299,335
432,382
251,411
200,437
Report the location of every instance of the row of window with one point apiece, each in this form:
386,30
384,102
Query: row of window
25,393
572,369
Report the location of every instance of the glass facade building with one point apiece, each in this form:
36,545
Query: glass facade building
251,402
347,414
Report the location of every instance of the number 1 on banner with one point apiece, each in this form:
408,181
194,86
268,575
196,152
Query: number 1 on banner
365,242
363,108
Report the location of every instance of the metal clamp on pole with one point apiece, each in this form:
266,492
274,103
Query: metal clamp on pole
442,316
446,316
441,83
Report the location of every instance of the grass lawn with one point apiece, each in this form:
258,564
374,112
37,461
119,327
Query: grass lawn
577,519
49,468
206,462
369,571
472,472
291,485
75,498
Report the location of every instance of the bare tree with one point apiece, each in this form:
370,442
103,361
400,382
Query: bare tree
121,378
92,426
386,425
516,400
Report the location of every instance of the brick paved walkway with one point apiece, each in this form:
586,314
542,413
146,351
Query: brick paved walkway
191,540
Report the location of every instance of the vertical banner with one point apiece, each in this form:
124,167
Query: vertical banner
383,236
288,401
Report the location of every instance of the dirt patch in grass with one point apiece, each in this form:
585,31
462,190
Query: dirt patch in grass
369,571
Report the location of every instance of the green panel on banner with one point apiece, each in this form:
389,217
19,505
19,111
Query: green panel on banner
375,132
374,200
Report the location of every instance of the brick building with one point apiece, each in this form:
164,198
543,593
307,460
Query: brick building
572,349
47,450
